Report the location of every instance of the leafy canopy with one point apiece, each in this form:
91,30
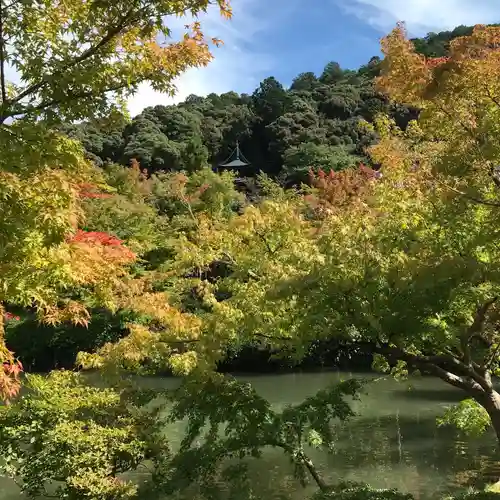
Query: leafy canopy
407,266
74,61
77,60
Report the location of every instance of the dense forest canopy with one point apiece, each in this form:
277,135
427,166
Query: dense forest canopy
282,131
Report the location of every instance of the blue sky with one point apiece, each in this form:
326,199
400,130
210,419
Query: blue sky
285,37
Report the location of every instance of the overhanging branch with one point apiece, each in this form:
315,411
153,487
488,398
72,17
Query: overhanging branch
128,19
465,377
111,33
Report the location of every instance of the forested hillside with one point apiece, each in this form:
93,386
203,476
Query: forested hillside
282,131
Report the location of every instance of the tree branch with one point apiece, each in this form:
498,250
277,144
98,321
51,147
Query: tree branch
111,33
271,337
11,4
302,458
494,99
179,341
127,18
475,329
492,356
2,56
450,378
470,381
312,470
71,97
268,246
461,123
468,196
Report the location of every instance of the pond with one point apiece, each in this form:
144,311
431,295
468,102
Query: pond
393,442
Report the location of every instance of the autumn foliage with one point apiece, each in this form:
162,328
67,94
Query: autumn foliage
48,263
472,65
104,242
89,190
336,191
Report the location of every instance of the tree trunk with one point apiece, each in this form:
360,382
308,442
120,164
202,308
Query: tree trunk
490,401
312,470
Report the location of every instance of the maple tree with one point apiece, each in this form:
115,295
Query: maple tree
411,270
73,61
336,191
81,60
449,162
407,266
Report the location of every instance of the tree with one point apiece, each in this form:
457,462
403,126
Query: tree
269,100
354,259
151,147
80,436
458,129
332,73
300,159
65,55
195,155
304,81
409,267
73,78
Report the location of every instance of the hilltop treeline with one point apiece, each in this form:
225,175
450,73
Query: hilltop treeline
282,131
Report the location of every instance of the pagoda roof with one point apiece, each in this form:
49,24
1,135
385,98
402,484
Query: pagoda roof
235,163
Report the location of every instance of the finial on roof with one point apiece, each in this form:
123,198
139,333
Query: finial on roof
238,161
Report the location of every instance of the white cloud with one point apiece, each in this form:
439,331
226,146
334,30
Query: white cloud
235,66
422,16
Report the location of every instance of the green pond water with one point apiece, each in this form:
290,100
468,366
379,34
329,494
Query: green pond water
394,441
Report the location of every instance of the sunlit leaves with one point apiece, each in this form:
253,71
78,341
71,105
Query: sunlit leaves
70,55
80,436
74,60
468,416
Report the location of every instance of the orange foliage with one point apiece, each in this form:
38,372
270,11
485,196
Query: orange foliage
96,261
338,190
88,190
10,382
136,168
71,312
434,62
196,195
409,77
107,245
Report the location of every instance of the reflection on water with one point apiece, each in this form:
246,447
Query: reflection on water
392,443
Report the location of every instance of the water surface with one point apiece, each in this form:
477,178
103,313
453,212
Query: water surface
393,442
